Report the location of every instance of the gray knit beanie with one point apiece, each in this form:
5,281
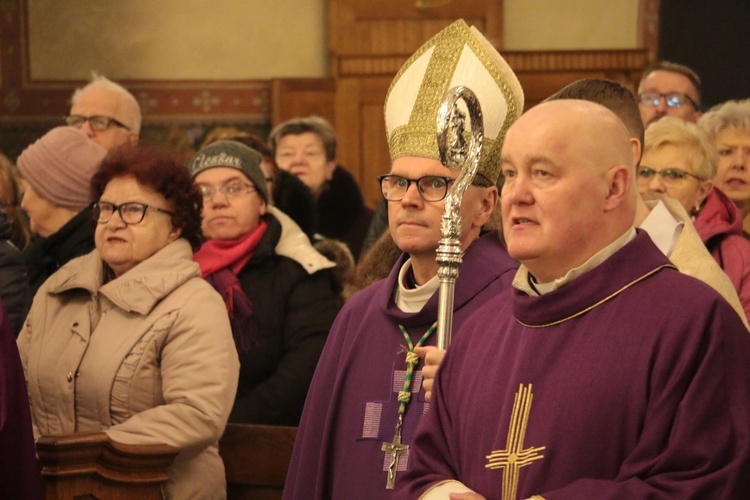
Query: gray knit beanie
231,154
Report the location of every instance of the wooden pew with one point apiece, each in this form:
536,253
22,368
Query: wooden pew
90,465
256,459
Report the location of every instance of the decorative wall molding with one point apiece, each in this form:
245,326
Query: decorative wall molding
24,100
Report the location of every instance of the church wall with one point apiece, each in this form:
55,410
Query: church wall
262,39
197,64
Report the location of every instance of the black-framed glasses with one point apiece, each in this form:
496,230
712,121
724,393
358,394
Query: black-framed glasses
230,190
670,176
430,187
131,212
671,99
96,122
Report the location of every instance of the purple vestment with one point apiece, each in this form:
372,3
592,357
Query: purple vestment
631,381
19,473
352,406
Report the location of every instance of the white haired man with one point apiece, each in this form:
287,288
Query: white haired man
106,112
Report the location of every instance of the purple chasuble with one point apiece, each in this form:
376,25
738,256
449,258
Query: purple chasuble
19,474
631,381
352,406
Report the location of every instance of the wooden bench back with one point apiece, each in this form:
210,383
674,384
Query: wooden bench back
90,465
256,459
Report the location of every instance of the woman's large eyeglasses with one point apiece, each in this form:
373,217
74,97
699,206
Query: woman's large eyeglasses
98,123
131,212
672,99
670,176
430,187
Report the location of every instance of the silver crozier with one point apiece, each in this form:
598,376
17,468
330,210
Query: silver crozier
455,153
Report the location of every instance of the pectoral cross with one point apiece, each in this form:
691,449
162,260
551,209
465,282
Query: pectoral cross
514,456
395,449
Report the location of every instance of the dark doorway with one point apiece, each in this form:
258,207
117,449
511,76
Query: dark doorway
713,38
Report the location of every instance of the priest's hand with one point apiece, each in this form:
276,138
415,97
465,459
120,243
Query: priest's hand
465,496
432,358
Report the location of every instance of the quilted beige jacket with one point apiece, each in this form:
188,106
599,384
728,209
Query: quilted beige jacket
147,357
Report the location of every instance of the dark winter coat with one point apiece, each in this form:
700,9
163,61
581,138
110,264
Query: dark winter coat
44,256
342,214
14,284
293,197
294,310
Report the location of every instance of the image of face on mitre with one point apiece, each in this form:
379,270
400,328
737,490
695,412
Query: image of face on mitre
457,55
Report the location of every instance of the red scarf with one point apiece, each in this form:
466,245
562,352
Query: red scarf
220,262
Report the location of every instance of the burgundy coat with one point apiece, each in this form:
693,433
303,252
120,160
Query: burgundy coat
720,227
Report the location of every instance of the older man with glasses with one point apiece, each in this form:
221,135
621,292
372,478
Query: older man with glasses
106,112
669,89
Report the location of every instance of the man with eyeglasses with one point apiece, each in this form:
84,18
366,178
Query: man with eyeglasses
669,89
366,398
106,112
277,287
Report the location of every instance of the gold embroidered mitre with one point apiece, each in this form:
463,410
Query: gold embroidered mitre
458,55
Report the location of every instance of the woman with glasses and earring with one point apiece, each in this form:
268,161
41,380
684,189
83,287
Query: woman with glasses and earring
679,160
55,178
128,339
278,290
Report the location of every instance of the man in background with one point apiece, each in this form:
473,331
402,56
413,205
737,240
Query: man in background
669,89
106,112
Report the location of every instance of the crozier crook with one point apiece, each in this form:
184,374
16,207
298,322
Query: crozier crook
455,153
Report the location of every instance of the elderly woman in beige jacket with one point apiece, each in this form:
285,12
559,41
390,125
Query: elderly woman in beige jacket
129,339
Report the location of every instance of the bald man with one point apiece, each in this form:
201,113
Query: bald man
604,372
663,218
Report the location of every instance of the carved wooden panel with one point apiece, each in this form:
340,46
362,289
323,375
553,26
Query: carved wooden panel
294,97
370,38
543,73
90,465
256,460
363,148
